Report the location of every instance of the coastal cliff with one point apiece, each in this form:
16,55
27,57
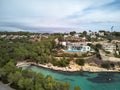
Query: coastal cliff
71,68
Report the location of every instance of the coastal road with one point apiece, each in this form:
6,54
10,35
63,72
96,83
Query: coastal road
5,87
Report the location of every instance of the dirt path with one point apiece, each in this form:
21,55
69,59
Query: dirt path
108,58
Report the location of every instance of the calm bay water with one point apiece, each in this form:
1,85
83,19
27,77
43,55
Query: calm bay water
87,81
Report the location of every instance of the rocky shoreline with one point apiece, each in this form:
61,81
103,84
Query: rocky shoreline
71,68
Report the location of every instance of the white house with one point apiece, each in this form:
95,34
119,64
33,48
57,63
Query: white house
76,35
109,47
93,36
64,43
86,48
118,45
101,33
68,35
79,48
3,36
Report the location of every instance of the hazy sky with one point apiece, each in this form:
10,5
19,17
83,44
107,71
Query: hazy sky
60,15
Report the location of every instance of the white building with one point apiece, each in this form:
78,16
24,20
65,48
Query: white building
79,48
86,48
93,36
101,33
64,43
76,35
65,36
109,47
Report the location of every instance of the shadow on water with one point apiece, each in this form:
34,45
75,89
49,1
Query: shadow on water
92,81
101,77
66,79
77,73
83,74
105,78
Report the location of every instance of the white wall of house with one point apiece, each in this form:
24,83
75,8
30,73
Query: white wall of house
76,35
86,48
93,36
101,33
119,46
64,43
109,47
83,48
66,36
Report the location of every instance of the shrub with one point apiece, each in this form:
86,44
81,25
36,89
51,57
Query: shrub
77,88
75,55
84,55
98,55
116,55
105,65
80,62
99,46
61,63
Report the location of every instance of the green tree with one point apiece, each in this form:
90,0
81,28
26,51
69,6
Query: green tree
13,78
105,65
21,83
84,33
63,62
60,38
65,86
38,86
26,84
9,68
72,33
27,73
99,46
39,77
80,62
77,88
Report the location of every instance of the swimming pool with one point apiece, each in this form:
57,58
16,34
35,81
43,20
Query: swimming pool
77,49
73,51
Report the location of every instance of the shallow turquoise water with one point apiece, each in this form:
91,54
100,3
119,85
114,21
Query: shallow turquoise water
87,81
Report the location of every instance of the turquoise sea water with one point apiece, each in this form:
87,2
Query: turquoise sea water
86,80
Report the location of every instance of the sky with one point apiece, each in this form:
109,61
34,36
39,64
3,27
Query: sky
59,15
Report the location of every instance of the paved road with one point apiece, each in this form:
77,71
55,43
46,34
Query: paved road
5,87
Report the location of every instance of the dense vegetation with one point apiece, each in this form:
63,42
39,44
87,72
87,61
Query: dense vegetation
80,62
17,33
24,50
29,80
12,51
96,48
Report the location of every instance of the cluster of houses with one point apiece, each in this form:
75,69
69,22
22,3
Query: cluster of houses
18,36
74,38
109,47
75,43
34,37
76,46
97,35
13,36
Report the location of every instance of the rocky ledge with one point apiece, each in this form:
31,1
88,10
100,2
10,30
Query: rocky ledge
71,68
